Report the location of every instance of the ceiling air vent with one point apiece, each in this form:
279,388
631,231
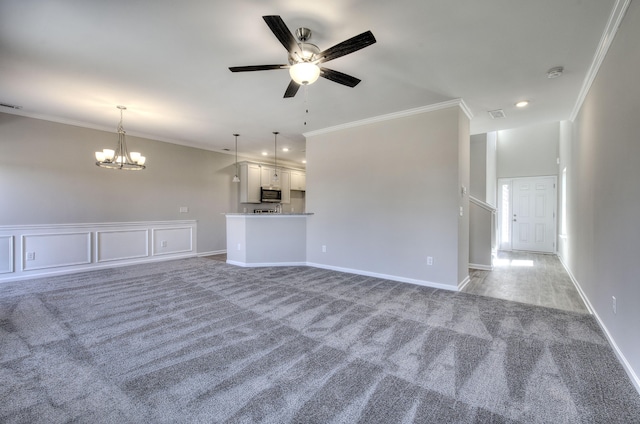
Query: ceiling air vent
498,113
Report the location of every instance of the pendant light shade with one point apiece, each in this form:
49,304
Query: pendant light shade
236,179
304,73
275,177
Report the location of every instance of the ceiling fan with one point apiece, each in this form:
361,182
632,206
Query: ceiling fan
304,57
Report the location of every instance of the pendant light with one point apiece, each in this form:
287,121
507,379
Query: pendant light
275,157
236,179
120,158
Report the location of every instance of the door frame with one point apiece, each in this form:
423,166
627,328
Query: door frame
508,243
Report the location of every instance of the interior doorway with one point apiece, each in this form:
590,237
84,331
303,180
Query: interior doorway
527,214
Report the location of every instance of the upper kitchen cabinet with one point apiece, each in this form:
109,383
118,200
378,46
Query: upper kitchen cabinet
266,178
253,176
298,180
249,183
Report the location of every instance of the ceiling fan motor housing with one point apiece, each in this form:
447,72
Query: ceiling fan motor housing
305,58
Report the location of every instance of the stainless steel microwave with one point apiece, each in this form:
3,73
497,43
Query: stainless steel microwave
270,195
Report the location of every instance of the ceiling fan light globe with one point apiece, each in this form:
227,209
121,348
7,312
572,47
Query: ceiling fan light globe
304,73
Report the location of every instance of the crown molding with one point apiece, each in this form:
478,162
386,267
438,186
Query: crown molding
615,19
109,129
395,115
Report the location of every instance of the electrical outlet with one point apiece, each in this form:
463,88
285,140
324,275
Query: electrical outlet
324,249
31,256
239,246
614,305
429,260
184,209
163,243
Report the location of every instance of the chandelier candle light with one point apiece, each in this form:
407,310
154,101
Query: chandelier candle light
120,158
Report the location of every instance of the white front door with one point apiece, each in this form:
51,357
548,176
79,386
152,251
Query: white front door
533,220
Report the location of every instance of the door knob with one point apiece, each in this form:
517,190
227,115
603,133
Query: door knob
514,220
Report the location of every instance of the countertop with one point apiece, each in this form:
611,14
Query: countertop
268,214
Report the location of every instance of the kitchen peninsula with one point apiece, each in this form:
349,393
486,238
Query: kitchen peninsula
267,239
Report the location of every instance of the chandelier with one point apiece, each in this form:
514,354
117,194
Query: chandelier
120,158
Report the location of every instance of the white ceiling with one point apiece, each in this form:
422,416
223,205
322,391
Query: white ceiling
74,61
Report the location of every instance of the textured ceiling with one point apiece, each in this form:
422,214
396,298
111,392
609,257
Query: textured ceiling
167,61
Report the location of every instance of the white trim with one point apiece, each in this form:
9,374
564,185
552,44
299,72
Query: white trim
109,129
481,267
147,136
97,266
615,19
11,266
95,225
211,253
265,264
464,282
424,283
482,204
395,115
54,254
24,266
635,379
98,251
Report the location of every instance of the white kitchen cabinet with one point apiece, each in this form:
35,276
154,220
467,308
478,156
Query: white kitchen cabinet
298,180
253,176
249,183
266,178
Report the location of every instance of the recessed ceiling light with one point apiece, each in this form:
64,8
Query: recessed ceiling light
304,161
264,153
285,149
522,103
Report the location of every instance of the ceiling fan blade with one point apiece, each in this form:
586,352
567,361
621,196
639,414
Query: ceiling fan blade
256,68
339,77
282,33
348,46
292,89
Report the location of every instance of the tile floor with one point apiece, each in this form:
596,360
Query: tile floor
526,277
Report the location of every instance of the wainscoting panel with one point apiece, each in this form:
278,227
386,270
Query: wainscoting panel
6,254
167,241
41,251
119,245
29,251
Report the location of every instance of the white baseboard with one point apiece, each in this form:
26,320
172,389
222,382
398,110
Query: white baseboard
635,380
386,277
211,253
481,267
464,283
265,264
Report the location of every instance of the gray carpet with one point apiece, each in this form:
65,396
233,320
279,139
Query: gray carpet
197,340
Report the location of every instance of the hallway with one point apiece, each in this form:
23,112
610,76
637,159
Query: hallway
526,277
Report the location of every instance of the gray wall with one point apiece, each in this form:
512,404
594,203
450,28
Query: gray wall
48,176
528,151
478,176
492,170
604,190
391,197
483,182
